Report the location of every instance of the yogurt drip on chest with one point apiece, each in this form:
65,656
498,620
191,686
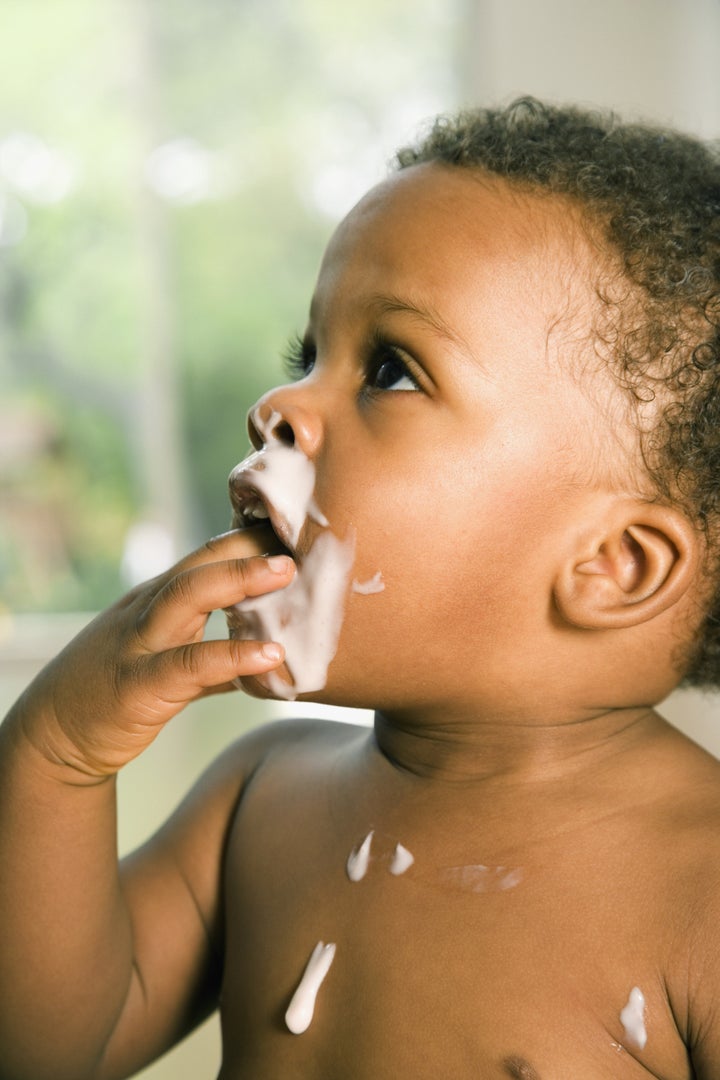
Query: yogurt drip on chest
632,1019
302,1007
306,616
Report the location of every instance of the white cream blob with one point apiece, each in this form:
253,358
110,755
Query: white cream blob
306,616
402,860
375,584
301,1009
286,477
632,1019
359,859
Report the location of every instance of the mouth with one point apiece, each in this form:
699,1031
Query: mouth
251,510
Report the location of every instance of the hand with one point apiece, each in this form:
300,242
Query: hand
104,699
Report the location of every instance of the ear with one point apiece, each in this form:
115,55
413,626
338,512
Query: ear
635,569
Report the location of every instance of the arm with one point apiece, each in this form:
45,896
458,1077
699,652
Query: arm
102,968
703,1020
695,988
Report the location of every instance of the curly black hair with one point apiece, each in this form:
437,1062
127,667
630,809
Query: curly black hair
654,196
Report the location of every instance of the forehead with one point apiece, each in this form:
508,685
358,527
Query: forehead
510,276
462,243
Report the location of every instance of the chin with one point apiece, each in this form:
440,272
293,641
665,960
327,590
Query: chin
253,685
273,685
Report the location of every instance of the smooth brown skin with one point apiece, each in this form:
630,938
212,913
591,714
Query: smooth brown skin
535,600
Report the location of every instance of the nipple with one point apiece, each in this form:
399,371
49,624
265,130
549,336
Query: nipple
520,1069
301,1009
632,1019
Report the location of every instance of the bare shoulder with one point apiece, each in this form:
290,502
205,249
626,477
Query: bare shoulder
691,858
288,759
271,749
686,782
192,841
277,736
207,810
195,835
690,794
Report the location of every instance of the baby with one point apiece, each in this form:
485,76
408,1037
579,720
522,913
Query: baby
489,509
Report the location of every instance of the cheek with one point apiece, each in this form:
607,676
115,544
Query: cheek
485,565
449,530
432,590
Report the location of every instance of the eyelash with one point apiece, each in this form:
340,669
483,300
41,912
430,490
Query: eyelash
299,360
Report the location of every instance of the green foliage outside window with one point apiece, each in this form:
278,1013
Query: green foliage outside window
170,171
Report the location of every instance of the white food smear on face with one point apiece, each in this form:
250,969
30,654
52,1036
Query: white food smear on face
632,1019
358,859
301,1009
287,478
366,588
306,616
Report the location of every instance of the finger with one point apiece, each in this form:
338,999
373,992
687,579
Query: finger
224,688
180,675
178,613
235,544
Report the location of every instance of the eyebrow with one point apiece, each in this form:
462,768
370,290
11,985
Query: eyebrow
390,303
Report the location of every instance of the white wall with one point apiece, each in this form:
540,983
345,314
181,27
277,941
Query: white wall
658,59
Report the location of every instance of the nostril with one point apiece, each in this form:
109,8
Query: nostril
284,433
266,425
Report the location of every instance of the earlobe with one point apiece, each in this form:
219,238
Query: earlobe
635,571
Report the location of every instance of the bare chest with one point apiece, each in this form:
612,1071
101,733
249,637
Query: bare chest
461,961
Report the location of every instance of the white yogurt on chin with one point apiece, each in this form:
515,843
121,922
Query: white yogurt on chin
306,616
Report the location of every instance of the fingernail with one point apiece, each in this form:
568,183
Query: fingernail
272,651
279,564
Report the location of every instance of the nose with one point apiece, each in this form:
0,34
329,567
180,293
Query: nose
280,416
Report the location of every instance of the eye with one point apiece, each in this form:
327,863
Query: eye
299,357
388,370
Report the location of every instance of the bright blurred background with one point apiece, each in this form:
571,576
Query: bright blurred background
170,171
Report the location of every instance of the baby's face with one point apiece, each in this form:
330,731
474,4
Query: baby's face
449,435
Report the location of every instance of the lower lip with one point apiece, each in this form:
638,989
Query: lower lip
282,535
269,543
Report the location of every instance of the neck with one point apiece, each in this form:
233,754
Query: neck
508,750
